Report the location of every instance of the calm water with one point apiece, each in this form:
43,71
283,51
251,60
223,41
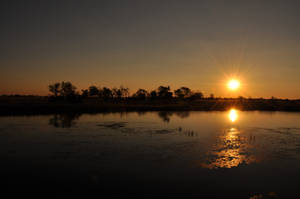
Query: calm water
153,154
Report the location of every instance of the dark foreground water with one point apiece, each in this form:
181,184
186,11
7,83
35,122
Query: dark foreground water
152,155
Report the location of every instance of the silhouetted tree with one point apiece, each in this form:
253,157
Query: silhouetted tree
183,92
55,89
116,93
124,91
164,92
93,91
141,94
105,93
119,93
211,96
64,90
67,89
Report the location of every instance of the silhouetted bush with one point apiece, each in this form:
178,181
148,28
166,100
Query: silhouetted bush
196,96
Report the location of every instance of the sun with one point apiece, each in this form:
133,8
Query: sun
233,84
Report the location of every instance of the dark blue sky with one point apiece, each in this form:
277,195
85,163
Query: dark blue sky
199,44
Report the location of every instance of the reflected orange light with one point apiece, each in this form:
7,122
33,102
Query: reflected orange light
231,150
233,115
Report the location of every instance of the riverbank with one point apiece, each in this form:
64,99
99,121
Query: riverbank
41,105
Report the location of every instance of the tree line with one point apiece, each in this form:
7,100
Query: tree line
67,91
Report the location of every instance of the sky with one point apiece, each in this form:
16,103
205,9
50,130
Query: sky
145,44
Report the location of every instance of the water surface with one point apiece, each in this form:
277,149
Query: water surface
154,154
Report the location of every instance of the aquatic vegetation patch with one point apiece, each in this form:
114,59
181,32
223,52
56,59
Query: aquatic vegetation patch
113,125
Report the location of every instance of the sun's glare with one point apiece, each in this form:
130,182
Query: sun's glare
233,115
233,84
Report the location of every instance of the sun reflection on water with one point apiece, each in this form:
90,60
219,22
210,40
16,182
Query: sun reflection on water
233,115
231,149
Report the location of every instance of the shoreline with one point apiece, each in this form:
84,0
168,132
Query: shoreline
43,106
